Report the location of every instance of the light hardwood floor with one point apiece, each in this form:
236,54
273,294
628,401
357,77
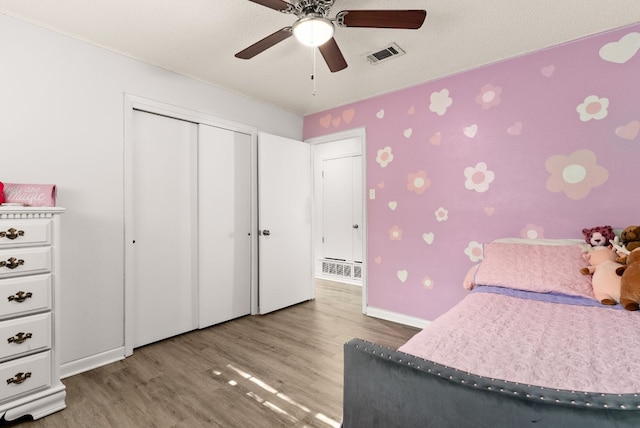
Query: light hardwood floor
282,369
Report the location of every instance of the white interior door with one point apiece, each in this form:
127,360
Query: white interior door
342,208
337,208
357,229
285,246
224,224
163,205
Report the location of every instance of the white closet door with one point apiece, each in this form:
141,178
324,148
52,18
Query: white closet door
284,172
164,280
224,224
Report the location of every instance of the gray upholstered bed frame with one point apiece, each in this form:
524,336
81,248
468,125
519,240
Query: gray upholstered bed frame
386,388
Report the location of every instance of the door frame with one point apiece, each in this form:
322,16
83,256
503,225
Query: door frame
134,102
359,133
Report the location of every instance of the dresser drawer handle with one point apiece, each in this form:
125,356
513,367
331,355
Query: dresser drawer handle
12,263
20,338
20,296
12,234
19,378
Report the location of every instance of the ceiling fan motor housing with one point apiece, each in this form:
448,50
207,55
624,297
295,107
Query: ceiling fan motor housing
320,7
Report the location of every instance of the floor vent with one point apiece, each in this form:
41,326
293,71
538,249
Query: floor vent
391,51
342,269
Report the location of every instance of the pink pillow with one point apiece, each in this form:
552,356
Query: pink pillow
539,268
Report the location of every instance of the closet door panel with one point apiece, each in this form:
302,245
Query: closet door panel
224,224
163,205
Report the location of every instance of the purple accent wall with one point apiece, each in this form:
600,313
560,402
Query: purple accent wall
537,146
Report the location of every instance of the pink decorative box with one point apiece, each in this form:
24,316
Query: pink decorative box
33,195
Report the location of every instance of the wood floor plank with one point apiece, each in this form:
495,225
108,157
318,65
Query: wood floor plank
282,369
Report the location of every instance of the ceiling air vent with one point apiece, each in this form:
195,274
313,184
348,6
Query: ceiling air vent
391,51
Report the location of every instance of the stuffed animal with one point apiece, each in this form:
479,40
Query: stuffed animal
598,236
605,280
630,281
1,193
630,237
620,249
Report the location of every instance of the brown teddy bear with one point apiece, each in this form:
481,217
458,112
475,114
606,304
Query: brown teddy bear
630,281
630,237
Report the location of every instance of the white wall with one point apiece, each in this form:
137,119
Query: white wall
61,122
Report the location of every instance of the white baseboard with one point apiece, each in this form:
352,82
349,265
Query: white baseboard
396,317
92,362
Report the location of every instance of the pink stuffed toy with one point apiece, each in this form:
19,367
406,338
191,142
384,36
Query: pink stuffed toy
598,236
1,193
605,280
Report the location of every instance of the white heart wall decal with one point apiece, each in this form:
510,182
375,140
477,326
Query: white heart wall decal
428,237
623,50
402,275
471,130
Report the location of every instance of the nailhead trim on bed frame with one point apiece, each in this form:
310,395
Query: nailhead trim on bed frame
531,392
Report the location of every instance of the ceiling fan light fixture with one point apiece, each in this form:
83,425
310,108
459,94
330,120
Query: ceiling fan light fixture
313,30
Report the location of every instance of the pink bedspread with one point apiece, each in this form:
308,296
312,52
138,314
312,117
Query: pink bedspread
552,345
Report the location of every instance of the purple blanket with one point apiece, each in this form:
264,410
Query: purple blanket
543,297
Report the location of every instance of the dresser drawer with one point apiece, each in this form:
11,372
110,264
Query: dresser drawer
20,261
22,335
24,294
24,232
25,375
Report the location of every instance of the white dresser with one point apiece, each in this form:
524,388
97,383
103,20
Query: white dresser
30,312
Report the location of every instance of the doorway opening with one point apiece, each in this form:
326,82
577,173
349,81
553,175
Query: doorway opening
339,215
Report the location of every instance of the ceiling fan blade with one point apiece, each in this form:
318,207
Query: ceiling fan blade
408,19
264,44
278,5
333,56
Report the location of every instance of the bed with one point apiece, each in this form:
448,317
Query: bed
528,346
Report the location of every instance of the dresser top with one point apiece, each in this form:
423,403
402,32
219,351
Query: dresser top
9,212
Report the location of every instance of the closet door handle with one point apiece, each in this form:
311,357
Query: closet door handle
355,226
266,232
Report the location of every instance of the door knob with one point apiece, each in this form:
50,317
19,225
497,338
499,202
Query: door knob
266,232
355,226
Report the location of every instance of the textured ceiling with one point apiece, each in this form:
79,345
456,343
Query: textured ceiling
198,38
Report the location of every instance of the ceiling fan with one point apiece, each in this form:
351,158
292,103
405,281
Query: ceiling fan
314,27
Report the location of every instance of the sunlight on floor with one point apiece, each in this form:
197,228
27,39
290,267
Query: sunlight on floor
270,404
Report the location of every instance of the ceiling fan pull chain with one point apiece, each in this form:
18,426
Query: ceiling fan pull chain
313,74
